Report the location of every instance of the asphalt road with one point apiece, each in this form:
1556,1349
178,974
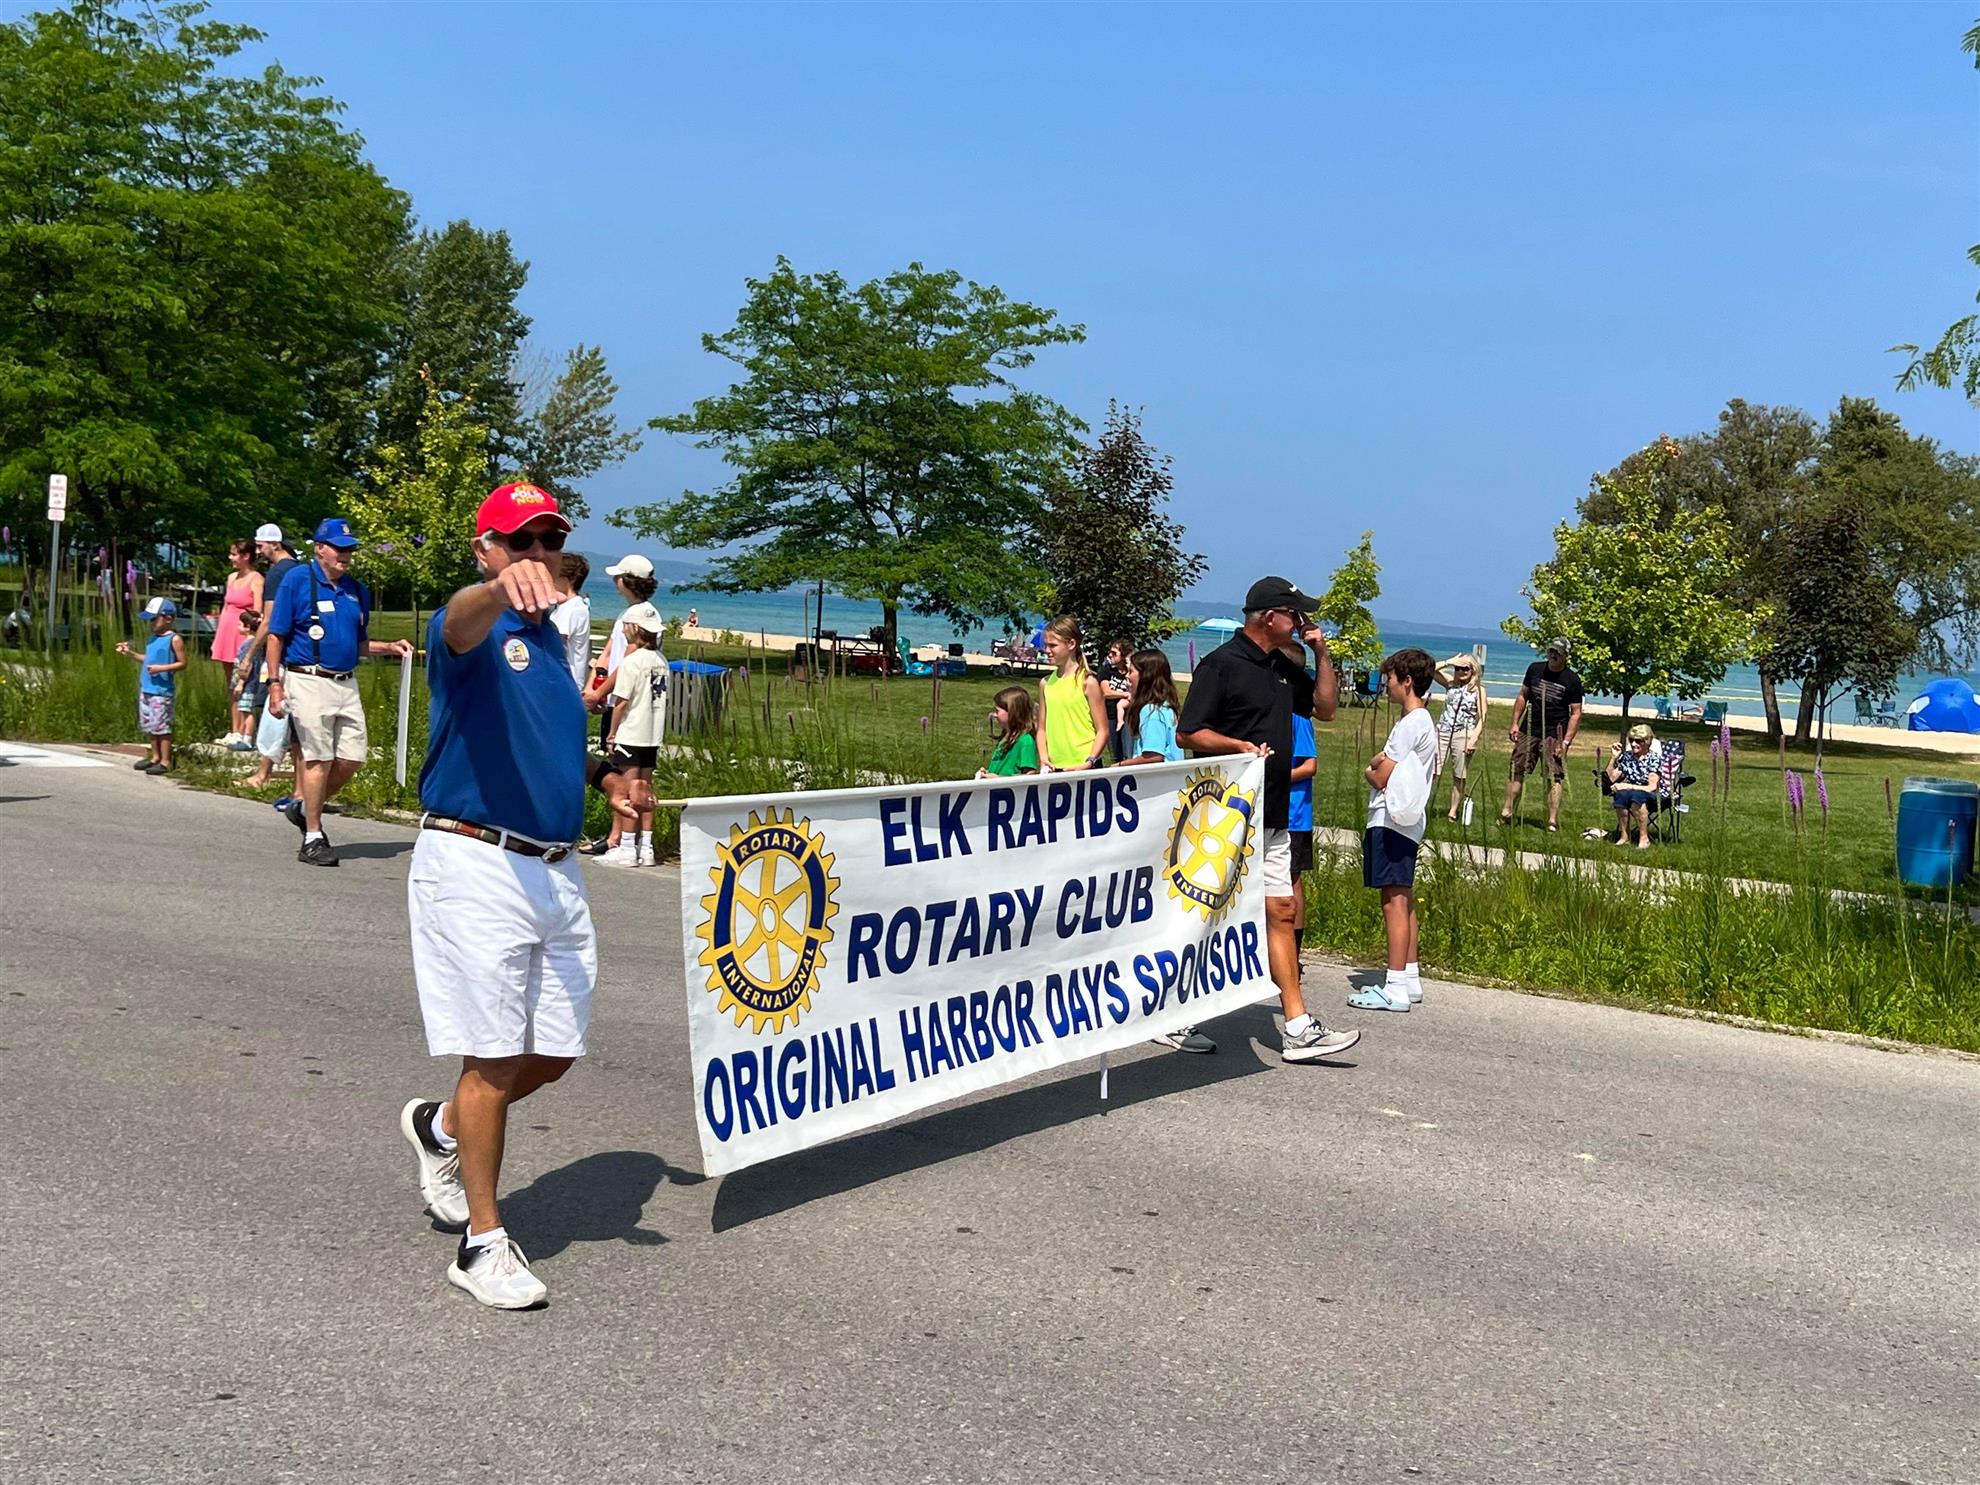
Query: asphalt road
1516,1240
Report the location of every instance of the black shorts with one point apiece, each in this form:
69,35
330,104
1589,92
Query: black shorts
625,757
1388,858
1302,852
596,769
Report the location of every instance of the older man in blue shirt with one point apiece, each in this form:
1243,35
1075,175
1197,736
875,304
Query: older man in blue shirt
503,947
318,627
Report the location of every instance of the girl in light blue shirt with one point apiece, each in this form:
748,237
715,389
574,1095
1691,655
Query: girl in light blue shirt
1151,710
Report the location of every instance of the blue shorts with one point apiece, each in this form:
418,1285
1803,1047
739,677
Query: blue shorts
1629,798
1388,858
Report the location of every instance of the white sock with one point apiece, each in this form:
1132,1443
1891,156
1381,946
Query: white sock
1298,1024
440,1136
1395,985
1410,970
310,835
483,1239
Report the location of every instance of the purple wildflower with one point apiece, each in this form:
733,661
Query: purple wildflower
7,535
1822,791
1796,792
924,727
1726,739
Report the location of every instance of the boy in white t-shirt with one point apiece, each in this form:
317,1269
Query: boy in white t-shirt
1388,846
639,719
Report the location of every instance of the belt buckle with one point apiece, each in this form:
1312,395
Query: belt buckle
556,854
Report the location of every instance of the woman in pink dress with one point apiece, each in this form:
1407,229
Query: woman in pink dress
243,593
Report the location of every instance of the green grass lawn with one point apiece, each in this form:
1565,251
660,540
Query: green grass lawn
925,729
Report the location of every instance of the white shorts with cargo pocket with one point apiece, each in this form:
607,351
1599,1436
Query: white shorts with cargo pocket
1278,862
328,717
503,949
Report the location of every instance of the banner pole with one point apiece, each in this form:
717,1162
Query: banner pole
1103,1077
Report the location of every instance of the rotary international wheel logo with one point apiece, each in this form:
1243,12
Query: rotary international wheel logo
1210,843
765,926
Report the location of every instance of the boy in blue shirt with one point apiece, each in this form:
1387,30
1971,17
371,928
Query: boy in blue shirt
158,683
1299,818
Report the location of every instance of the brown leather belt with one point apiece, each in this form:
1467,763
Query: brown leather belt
489,835
319,672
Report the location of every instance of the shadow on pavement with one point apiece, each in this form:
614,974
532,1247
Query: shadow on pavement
22,798
859,1160
598,1199
373,850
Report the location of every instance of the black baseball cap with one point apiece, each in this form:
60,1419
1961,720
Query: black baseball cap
1276,592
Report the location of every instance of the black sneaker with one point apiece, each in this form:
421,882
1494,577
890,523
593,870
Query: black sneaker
142,764
318,852
294,815
156,768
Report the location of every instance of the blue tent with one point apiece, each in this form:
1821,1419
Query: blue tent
1946,705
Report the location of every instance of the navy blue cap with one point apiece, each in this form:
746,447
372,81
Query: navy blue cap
335,531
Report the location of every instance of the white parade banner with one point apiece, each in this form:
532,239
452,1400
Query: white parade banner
859,954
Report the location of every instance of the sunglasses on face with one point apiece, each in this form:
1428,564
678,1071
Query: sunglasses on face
522,541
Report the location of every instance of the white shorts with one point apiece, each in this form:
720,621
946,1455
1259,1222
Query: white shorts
328,717
1278,863
503,950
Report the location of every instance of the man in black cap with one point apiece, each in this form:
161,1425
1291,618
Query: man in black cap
1242,700
1546,715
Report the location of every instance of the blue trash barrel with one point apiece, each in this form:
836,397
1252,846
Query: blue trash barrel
1935,831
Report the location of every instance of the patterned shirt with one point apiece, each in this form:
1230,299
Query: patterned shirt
1460,711
1638,770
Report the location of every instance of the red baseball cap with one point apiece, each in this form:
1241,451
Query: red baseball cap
512,507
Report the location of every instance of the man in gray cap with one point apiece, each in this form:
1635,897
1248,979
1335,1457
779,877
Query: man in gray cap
1546,715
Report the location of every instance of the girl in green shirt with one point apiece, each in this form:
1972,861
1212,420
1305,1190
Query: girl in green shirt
1016,750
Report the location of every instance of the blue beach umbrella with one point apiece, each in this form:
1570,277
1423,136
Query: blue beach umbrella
1222,626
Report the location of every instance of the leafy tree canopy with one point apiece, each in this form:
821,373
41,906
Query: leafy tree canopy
1648,600
194,278
1113,555
415,510
573,432
1355,584
879,443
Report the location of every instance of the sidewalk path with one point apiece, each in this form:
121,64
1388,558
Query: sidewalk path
1516,1240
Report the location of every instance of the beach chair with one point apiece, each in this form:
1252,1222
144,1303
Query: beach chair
1887,713
1663,708
1866,712
1367,688
1667,806
1715,711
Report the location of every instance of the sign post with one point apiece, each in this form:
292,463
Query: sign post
58,507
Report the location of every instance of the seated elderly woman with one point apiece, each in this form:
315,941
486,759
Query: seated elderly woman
1633,774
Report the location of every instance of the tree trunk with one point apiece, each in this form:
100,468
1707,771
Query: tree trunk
1770,701
1625,716
890,618
1804,712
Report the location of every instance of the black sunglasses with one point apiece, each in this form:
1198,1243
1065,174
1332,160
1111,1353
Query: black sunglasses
521,541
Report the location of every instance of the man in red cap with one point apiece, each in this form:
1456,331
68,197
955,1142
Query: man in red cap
503,947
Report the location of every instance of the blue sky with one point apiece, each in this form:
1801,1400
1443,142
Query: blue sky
1410,268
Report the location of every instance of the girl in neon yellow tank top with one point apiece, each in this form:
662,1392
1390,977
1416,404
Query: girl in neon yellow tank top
1072,711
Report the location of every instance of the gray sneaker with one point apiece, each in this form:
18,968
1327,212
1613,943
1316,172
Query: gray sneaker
1314,1043
1187,1039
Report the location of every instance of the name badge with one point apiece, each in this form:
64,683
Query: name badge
326,605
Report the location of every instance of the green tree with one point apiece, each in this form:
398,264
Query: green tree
1356,583
1836,624
1113,555
879,444
460,325
194,284
1649,599
572,433
416,508
1757,466
1914,509
1955,359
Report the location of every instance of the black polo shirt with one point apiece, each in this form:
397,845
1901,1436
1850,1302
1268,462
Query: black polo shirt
1245,693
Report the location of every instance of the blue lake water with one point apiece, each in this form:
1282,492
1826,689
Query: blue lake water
1505,661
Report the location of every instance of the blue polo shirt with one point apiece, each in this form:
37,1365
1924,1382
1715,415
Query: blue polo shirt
344,621
505,731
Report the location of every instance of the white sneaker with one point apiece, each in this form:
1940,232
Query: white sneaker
625,853
439,1173
498,1275
1415,991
